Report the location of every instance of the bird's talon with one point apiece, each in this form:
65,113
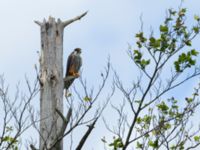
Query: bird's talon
77,75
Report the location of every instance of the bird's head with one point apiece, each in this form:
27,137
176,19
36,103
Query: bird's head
77,50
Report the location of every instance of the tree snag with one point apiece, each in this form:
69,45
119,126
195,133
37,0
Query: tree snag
51,77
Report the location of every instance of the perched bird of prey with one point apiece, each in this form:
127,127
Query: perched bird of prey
74,64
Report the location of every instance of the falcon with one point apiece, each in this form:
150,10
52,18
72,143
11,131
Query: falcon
74,63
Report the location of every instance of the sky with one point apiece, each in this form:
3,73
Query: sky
106,30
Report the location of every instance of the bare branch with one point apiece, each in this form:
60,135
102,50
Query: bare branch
64,126
65,120
33,147
65,23
86,135
38,23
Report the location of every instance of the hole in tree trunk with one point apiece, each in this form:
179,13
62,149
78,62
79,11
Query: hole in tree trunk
57,33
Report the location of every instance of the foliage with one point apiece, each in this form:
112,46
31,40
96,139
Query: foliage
117,143
174,35
7,139
15,114
160,122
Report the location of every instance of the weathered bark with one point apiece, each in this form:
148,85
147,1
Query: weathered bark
51,79
51,70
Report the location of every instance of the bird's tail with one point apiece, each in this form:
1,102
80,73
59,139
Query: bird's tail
68,80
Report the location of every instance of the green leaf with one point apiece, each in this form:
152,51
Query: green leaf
6,138
152,40
138,101
177,66
137,55
111,144
167,126
154,43
183,10
147,119
172,12
196,17
163,107
185,60
171,113
139,44
144,63
194,52
139,35
197,138
153,144
174,106
182,145
196,29
191,62
157,43
146,135
117,143
87,99
173,147
148,62
188,43
189,100
163,28
167,20
139,145
139,120
182,58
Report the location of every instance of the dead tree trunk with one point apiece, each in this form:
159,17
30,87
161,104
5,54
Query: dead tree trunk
51,79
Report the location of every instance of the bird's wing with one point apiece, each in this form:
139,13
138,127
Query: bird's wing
70,61
77,62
